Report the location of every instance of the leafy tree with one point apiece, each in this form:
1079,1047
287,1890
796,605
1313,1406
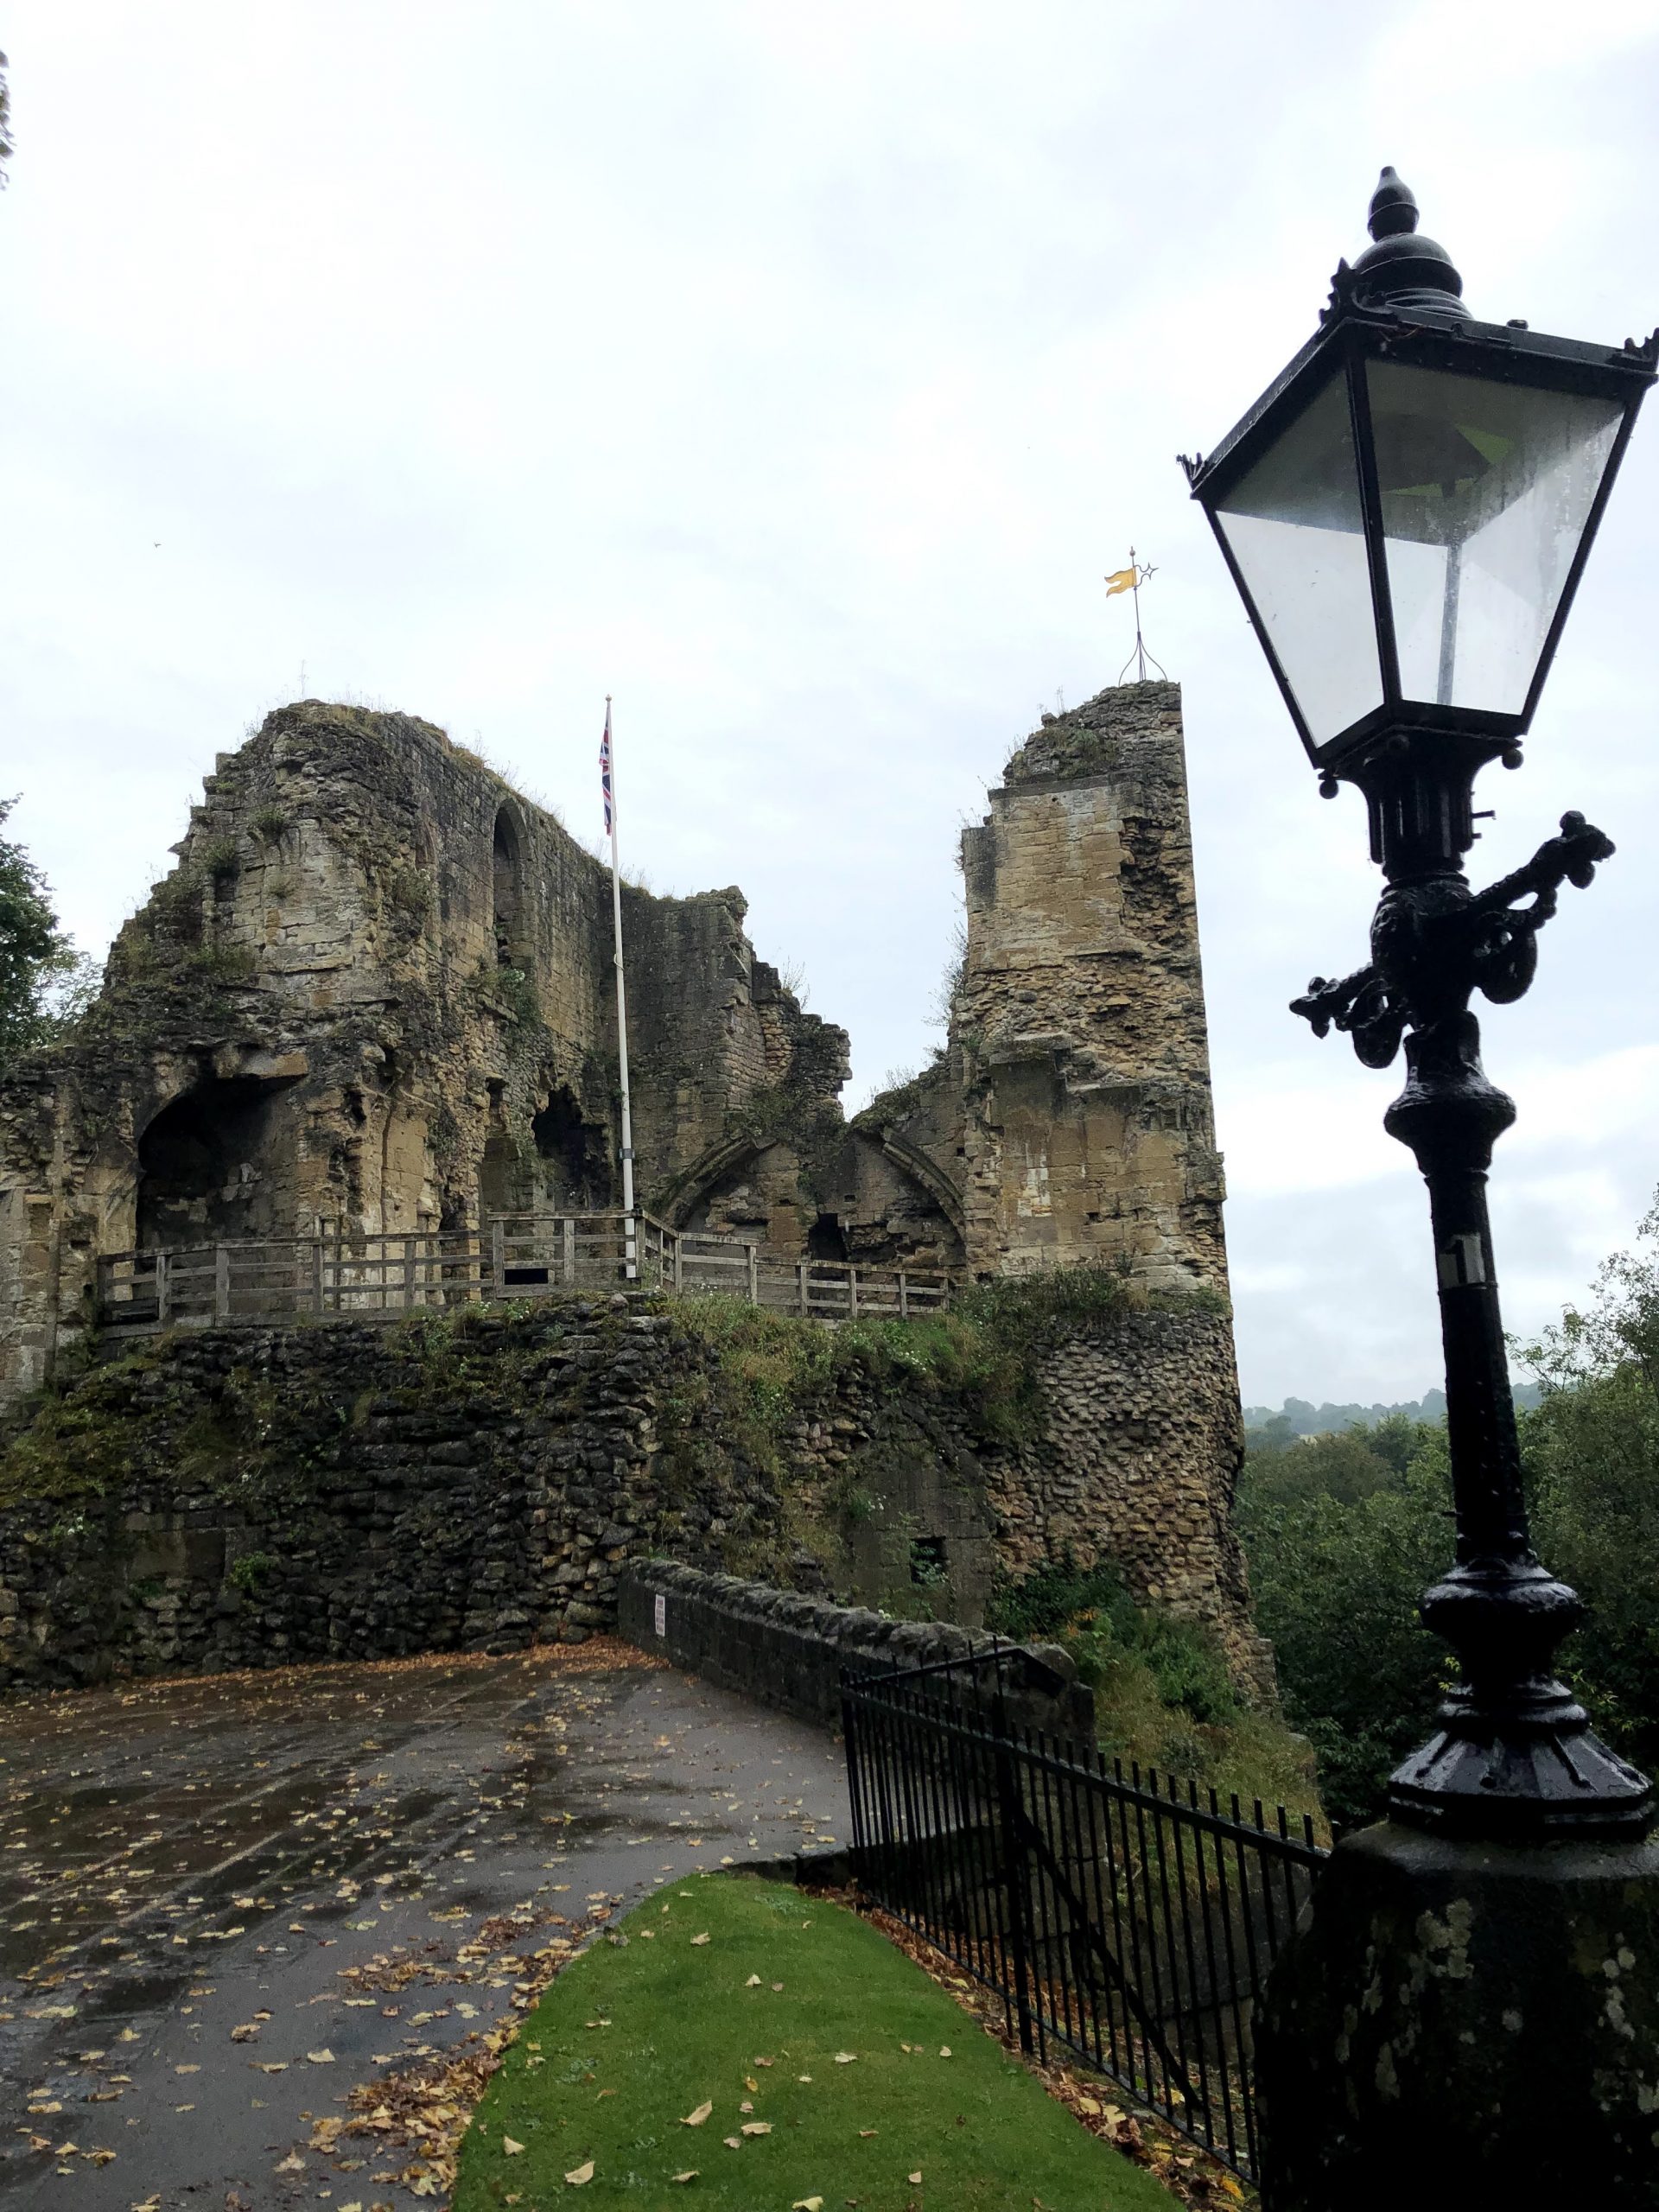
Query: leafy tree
6,122
1591,1450
1345,1531
45,984
1336,1573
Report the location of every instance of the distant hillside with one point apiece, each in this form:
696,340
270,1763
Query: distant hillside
1296,1417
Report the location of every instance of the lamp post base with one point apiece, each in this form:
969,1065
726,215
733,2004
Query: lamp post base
1462,2023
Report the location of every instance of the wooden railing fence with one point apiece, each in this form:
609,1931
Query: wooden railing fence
389,1272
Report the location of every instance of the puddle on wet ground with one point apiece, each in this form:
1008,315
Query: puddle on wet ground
224,1903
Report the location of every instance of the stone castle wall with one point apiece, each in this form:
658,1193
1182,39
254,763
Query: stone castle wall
377,993
1069,1119
250,1498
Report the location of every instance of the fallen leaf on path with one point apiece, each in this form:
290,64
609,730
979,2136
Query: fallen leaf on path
323,2057
755,2127
690,2174
732,2142
696,2119
578,2174
754,1982
845,2057
511,2148
703,1938
944,2050
801,2205
914,2180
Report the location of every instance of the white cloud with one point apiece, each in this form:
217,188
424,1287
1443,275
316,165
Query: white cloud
796,376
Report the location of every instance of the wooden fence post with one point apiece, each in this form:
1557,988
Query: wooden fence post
679,1260
754,1275
852,1294
409,1273
904,1297
806,1305
162,1286
316,1274
221,1282
498,1258
568,1247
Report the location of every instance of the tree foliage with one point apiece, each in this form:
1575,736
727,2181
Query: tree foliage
6,122
1344,1532
45,983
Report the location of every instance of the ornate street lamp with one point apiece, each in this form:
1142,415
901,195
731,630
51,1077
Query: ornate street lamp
1406,513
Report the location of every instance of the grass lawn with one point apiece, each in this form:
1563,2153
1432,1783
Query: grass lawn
754,2025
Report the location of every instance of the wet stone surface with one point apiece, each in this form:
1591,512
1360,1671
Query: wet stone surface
226,1904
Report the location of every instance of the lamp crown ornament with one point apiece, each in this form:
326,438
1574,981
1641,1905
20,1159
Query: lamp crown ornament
1401,270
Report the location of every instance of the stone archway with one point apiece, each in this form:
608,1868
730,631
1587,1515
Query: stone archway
217,1165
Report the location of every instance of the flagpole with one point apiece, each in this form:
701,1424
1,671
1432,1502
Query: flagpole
630,1248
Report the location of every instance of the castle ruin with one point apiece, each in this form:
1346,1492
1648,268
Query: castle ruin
376,995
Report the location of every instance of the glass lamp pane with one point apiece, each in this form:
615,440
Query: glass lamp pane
1293,526
1486,489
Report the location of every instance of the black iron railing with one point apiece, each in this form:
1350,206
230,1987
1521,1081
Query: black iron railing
1127,1917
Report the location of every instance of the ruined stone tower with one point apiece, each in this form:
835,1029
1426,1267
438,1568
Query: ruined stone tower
1069,1117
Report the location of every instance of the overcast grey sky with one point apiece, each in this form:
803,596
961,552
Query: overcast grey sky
795,374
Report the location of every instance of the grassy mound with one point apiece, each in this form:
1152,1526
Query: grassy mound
765,2010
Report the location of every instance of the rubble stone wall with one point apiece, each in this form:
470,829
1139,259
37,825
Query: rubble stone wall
240,1497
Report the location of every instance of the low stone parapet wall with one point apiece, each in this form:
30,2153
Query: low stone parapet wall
787,1650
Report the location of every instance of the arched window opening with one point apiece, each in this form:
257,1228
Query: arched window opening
507,888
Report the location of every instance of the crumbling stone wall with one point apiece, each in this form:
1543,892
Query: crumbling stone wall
249,1498
377,993
1070,1117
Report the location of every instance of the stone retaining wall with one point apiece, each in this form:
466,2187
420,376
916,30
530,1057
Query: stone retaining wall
237,1497
787,1650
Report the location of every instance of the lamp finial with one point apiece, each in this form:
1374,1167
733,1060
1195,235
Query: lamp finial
1400,269
1394,206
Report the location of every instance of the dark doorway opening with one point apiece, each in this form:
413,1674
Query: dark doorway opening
211,1167
826,1239
573,1156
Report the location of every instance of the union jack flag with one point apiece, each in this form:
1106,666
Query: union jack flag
604,768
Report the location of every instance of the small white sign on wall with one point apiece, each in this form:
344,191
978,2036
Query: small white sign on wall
662,1614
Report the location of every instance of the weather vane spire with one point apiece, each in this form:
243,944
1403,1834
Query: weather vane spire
1130,579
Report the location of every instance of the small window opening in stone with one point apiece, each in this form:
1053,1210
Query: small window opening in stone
826,1239
506,879
927,1561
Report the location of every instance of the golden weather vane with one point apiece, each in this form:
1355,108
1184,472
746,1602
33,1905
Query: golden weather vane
1130,579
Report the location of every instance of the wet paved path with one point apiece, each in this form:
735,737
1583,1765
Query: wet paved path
214,1893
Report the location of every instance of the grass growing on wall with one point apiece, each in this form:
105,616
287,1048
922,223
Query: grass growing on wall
982,1348
1163,1696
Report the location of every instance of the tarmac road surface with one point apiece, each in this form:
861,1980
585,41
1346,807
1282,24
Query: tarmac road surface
226,1902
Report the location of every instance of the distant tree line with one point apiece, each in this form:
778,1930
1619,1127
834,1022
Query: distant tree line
1345,1530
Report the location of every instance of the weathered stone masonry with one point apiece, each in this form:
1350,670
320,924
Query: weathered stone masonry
376,995
241,1498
